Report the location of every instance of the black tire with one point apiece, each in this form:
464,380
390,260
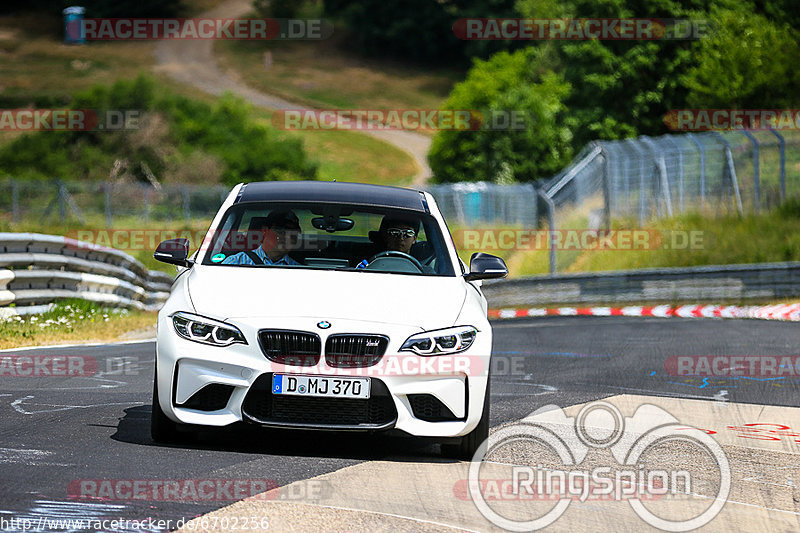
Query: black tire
470,442
162,429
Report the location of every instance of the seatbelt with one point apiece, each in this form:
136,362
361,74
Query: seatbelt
255,257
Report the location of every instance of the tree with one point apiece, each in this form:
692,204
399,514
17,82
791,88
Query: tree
506,83
748,61
419,31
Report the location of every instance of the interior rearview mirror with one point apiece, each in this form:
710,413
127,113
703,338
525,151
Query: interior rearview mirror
332,223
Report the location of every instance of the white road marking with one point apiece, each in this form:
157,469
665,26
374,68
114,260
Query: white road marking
27,456
78,345
17,405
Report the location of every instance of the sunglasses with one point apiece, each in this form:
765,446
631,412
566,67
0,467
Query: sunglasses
397,233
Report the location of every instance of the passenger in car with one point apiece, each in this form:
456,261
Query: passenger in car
280,229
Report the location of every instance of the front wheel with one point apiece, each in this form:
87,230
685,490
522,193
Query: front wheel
162,429
470,442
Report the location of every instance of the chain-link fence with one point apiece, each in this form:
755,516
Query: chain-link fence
60,201
480,203
57,202
644,178
740,172
652,177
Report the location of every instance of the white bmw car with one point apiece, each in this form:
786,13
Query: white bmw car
326,306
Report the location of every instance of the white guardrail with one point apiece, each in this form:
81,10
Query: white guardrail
38,269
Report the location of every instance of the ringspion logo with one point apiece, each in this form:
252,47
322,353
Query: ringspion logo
598,425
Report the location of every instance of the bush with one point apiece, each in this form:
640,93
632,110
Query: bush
174,132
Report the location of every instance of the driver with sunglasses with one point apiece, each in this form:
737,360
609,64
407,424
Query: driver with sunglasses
396,234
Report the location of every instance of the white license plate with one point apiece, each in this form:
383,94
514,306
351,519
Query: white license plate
299,385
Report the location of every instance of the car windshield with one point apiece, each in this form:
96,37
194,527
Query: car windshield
330,236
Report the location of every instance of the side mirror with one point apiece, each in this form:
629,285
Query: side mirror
174,252
485,266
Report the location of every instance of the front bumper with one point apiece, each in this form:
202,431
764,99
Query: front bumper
440,396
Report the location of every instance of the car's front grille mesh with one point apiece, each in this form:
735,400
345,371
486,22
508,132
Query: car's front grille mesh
261,406
212,397
354,350
286,347
429,408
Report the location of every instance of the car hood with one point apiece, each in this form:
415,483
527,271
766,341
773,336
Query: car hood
235,292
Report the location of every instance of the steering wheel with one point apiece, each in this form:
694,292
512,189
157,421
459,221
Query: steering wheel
395,253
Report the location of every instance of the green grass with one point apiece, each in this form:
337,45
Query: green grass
72,320
353,156
36,69
319,74
724,240
771,237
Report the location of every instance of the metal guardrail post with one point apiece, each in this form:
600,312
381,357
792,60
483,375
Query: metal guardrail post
702,168
569,176
782,144
62,202
731,170
551,223
187,213
662,170
639,151
756,184
146,202
606,189
14,201
680,170
107,206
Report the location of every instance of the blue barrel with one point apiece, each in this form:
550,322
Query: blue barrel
472,206
73,25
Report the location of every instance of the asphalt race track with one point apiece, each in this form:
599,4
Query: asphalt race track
59,431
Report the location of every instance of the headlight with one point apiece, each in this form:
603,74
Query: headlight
441,341
206,330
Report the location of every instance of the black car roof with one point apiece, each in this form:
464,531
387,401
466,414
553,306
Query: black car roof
334,192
